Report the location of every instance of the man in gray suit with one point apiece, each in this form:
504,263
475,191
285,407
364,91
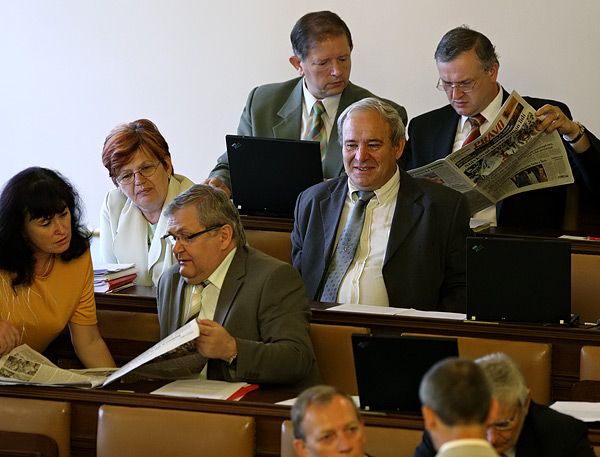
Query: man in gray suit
322,45
411,247
251,308
456,404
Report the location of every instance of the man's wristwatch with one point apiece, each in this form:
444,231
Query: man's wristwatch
578,136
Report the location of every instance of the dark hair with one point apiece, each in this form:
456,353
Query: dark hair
462,39
313,28
213,207
319,395
458,391
36,193
126,139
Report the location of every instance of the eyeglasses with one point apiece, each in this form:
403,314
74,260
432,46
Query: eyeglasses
506,424
187,239
146,171
462,86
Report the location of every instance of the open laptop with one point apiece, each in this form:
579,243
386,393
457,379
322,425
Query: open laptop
267,174
389,369
519,280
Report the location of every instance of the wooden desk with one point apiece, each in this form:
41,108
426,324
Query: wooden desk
259,404
566,341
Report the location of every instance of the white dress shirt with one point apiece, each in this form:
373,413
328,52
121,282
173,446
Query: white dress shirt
363,283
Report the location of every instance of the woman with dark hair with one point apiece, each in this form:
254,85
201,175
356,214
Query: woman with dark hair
138,161
46,276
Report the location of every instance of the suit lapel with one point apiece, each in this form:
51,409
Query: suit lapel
331,209
291,115
232,283
407,214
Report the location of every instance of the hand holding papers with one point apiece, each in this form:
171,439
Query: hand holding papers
510,157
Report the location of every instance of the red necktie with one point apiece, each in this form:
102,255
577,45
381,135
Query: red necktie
475,123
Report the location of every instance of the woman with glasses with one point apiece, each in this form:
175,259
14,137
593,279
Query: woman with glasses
46,279
131,223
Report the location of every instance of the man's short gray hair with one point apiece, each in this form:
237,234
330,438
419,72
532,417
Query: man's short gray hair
316,395
213,208
385,110
506,380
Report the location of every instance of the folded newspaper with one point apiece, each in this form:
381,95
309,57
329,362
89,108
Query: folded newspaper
510,157
175,357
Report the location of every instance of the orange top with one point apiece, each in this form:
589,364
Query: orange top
41,310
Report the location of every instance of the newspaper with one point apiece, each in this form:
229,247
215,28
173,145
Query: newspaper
174,357
510,157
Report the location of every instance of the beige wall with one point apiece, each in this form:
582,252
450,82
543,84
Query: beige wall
73,69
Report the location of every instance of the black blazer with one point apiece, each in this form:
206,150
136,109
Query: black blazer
431,136
424,265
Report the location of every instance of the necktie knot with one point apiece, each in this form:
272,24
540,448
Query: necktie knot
476,120
318,108
365,195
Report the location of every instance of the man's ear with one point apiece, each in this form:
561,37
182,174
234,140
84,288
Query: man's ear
300,447
400,148
225,236
429,418
297,64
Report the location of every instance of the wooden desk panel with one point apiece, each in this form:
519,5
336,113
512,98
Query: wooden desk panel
259,404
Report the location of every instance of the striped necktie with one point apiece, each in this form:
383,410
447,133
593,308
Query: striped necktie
346,247
475,123
316,128
195,301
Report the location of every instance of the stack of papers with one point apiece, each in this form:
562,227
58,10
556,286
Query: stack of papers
585,411
206,388
408,312
112,277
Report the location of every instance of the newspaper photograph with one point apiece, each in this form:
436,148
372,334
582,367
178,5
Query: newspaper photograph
509,158
174,357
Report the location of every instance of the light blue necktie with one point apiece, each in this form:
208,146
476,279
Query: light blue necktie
346,247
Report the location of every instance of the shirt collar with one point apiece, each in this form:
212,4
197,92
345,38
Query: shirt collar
331,104
386,192
490,111
217,277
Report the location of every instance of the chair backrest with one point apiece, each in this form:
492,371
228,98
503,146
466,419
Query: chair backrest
44,417
381,441
333,350
533,359
27,445
589,363
585,286
276,244
125,431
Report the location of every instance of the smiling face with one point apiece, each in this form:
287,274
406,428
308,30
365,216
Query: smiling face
147,193
369,157
331,430
326,67
49,235
466,68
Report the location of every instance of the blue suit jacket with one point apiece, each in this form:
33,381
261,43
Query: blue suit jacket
431,136
424,265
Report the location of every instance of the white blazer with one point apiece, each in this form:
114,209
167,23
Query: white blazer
124,234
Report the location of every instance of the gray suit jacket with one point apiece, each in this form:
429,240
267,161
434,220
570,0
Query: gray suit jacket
263,305
424,265
275,111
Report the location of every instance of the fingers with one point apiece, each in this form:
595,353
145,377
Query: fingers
9,337
551,118
214,341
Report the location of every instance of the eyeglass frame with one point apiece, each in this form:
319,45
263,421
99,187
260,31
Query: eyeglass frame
187,239
463,87
507,424
120,179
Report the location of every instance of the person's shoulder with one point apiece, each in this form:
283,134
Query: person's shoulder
170,275
547,419
271,88
182,182
433,115
325,188
115,199
537,103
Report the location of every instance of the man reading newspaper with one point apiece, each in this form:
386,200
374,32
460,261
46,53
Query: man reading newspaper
468,69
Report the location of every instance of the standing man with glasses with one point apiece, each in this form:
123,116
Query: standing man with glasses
520,427
468,70
251,308
306,107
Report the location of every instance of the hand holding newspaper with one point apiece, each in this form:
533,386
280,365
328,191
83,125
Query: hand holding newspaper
510,157
171,358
